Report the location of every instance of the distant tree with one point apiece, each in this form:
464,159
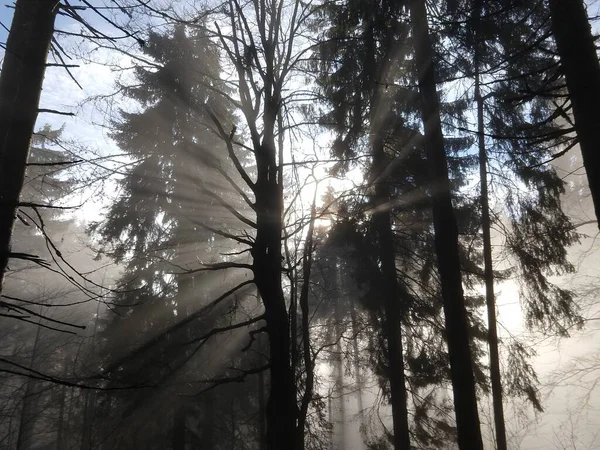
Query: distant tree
158,226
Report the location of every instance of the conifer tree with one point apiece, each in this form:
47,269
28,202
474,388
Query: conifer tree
579,62
21,80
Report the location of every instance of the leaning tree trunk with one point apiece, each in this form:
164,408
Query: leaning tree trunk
579,61
20,88
446,240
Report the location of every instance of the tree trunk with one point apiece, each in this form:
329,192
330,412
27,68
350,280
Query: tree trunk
495,377
304,308
357,372
61,418
393,310
262,426
266,252
446,240
20,88
575,44
489,280
30,401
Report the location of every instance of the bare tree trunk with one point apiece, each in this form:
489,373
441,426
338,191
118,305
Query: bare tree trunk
500,427
20,88
577,50
446,240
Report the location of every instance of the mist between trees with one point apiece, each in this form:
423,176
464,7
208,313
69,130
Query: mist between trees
285,224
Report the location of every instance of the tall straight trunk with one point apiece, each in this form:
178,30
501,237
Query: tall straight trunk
61,418
496,379
20,88
357,371
489,279
579,61
387,256
393,310
446,240
30,402
86,430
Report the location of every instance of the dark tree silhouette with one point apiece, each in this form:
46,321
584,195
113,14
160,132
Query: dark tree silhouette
20,89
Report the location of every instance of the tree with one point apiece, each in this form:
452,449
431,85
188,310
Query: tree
361,108
20,88
159,226
446,239
579,62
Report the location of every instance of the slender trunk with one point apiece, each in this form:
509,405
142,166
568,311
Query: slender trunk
20,88
28,412
489,280
339,385
393,310
61,418
446,240
579,61
89,408
357,372
86,431
306,348
495,377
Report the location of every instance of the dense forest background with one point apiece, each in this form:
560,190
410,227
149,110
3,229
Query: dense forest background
286,224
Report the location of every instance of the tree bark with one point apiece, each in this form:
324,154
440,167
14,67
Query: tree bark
20,89
579,61
281,408
393,310
446,240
